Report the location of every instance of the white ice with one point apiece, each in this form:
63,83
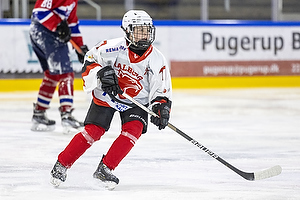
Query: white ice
252,129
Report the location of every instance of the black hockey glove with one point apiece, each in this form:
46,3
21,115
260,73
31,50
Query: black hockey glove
163,111
80,56
109,80
64,32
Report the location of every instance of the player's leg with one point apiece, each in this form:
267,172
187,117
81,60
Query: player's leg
134,123
60,64
38,36
131,132
47,88
77,146
97,121
66,94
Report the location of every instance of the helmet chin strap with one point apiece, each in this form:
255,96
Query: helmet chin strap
126,37
130,43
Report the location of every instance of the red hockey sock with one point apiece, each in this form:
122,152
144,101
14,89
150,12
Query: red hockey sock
73,151
46,90
66,91
131,131
79,144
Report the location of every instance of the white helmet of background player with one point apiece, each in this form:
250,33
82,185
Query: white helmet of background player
139,29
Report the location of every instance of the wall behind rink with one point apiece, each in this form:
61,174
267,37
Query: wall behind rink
201,55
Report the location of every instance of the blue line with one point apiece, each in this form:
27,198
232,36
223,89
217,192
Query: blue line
100,22
223,23
12,21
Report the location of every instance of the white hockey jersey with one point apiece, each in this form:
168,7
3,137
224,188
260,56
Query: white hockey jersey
142,77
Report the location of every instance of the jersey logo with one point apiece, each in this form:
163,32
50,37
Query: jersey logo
112,49
129,80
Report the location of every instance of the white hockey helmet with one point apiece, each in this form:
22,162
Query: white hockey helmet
142,39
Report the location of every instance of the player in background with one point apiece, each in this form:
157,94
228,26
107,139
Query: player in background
53,24
130,64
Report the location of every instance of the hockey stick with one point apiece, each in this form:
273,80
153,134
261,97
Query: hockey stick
252,176
78,49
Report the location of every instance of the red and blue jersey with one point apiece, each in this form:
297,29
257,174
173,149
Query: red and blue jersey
51,12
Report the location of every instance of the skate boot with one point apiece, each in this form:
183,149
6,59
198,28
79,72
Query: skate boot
104,174
58,174
69,123
40,122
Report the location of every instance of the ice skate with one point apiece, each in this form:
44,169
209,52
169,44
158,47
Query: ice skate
69,123
105,175
58,174
40,122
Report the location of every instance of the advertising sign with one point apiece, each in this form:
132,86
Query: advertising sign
191,48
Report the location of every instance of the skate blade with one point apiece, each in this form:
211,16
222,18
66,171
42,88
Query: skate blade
42,127
55,182
110,185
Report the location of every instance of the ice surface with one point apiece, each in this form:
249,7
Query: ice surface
252,129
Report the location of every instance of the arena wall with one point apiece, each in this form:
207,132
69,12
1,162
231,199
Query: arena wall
214,54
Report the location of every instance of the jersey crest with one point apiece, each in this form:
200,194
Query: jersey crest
129,80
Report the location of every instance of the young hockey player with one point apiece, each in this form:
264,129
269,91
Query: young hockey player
133,65
53,24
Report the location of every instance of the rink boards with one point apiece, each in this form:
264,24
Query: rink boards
177,82
214,54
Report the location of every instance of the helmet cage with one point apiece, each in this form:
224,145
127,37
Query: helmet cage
140,36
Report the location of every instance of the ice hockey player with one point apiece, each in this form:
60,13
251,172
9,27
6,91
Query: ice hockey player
130,64
53,24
